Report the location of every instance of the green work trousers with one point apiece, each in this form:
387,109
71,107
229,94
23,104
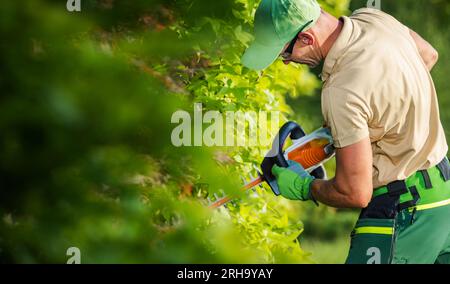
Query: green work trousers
387,233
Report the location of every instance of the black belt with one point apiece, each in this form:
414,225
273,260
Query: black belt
386,206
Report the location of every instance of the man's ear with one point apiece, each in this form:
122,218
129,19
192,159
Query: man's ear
306,38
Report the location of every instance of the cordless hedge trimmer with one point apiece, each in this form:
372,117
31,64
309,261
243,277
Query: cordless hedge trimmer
311,151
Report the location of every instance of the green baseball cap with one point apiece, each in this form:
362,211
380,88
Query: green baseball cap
277,22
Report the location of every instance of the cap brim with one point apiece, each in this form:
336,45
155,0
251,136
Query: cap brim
259,56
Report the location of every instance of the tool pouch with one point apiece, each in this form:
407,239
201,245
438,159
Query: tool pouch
372,241
373,238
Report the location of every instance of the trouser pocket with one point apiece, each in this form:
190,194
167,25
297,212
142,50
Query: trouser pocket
372,241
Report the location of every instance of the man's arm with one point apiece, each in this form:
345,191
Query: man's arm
352,185
429,55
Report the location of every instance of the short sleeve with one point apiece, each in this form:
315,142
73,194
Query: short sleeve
346,114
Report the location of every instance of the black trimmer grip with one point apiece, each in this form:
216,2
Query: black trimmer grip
276,154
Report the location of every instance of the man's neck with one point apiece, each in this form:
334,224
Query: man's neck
334,26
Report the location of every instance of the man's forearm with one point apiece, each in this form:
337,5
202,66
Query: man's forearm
328,192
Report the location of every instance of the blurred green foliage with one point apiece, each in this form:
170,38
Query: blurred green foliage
85,127
86,156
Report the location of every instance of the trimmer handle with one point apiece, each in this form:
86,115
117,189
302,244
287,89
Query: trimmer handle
291,129
276,155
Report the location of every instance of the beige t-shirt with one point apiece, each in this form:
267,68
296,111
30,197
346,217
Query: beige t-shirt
377,85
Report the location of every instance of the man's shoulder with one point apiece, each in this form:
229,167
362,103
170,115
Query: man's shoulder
370,51
375,16
370,12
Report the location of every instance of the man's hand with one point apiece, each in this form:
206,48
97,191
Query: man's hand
294,182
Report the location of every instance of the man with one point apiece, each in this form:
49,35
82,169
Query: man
379,100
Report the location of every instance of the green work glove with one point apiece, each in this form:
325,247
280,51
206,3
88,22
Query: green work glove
294,182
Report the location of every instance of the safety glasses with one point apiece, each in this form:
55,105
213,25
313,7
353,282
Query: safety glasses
288,51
